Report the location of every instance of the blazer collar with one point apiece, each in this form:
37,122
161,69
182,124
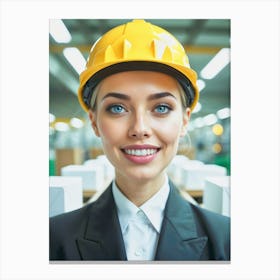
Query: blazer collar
179,239
103,238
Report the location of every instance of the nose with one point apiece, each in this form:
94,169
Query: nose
140,126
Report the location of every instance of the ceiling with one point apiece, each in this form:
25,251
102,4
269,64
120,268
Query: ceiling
202,39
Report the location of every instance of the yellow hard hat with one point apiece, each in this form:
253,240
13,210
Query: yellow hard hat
137,45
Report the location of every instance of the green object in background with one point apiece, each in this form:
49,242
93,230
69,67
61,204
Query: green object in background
51,167
223,161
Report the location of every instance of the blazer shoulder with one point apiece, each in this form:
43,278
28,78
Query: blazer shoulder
68,222
204,219
74,222
210,216
216,227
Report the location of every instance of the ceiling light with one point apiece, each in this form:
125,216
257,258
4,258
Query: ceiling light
198,122
197,108
75,58
218,129
56,70
223,113
77,123
59,31
219,61
51,118
200,84
217,148
61,126
210,119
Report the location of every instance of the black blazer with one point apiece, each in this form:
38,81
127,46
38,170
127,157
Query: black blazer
93,232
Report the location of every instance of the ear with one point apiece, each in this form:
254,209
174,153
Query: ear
186,119
92,117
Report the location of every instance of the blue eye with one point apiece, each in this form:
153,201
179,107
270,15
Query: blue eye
162,109
116,109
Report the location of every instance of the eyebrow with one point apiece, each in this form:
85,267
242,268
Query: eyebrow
116,95
151,97
160,95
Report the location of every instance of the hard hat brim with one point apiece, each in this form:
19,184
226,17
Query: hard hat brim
85,93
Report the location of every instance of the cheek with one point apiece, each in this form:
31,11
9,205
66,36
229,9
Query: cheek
170,130
110,131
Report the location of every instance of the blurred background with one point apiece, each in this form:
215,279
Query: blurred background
207,43
80,172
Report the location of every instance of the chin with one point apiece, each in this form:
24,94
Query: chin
143,175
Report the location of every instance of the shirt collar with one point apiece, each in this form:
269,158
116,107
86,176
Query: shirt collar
153,208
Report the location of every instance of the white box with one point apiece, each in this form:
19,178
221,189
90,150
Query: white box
97,164
109,168
194,175
56,201
216,195
72,190
175,169
92,178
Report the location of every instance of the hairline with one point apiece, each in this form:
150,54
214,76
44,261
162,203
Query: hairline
96,90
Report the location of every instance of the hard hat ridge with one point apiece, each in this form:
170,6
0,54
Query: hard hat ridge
161,50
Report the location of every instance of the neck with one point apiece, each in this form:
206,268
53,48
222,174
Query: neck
139,191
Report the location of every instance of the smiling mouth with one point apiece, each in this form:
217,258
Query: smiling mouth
140,152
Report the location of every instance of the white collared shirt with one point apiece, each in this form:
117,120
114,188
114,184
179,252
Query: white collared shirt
141,226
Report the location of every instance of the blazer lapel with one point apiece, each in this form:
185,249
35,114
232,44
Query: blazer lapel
103,237
179,239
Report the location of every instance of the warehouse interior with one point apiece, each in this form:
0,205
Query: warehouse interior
72,141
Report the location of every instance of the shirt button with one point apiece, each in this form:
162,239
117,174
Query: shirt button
138,252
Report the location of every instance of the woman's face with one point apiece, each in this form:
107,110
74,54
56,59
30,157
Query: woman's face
140,119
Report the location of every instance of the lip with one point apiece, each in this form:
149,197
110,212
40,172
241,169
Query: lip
148,156
140,147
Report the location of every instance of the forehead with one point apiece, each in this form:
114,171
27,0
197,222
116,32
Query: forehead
139,80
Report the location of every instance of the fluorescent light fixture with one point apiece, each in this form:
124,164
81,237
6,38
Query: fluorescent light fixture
75,58
219,61
197,108
223,113
200,84
57,71
51,118
61,126
59,31
76,123
210,119
198,122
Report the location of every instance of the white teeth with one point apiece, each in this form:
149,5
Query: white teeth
140,152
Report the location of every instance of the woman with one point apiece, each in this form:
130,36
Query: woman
139,91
